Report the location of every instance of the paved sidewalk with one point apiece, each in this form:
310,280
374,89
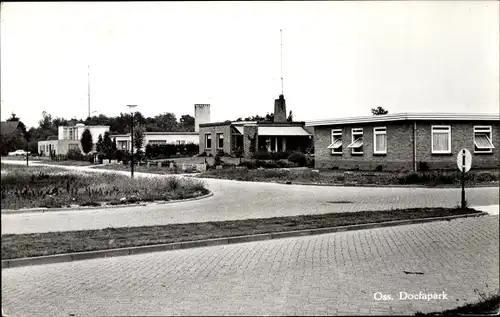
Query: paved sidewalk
233,200
331,274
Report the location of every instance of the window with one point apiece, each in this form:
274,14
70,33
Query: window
180,142
122,145
379,140
336,144
441,139
482,139
220,140
73,147
71,134
208,141
357,141
157,142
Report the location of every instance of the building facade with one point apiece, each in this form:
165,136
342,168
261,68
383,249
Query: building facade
69,138
252,136
123,141
402,142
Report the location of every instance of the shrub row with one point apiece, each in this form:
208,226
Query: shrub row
160,151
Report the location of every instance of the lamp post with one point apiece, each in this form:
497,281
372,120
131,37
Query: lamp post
131,107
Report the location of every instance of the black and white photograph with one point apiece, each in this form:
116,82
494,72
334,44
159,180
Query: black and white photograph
250,158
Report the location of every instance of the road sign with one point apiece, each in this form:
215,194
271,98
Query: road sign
464,159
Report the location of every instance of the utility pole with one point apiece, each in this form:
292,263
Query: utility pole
131,107
88,88
281,41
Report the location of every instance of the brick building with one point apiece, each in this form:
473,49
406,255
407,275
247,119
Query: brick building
399,142
254,136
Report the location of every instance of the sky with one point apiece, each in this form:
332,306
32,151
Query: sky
339,58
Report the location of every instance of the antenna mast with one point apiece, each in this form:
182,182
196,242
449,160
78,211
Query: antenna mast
281,40
88,87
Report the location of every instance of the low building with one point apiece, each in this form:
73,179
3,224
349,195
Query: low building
201,115
253,136
123,141
69,138
406,141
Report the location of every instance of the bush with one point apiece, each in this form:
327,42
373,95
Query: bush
379,168
423,166
270,164
248,164
159,151
75,154
262,155
280,155
90,157
310,161
298,158
202,154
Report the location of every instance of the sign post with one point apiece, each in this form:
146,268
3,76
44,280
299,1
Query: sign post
464,163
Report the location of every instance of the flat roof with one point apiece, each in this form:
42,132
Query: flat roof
162,133
282,131
407,116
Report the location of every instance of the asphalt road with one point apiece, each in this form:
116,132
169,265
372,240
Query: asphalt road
234,200
332,274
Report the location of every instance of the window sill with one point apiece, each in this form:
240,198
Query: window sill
357,153
337,154
441,153
483,152
380,154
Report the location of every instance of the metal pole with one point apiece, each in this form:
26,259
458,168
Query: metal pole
463,179
132,146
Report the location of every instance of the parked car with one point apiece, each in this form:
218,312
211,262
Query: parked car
18,153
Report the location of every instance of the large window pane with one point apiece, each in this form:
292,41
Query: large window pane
440,141
380,143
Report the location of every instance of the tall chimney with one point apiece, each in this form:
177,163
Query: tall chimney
201,115
280,109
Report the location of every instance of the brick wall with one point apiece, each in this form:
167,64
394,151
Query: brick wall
400,147
214,130
462,136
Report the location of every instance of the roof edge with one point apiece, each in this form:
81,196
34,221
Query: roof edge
408,116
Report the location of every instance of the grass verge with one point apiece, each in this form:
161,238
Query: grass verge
433,178
54,187
149,169
38,244
486,306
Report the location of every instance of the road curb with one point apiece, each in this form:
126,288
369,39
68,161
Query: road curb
77,256
151,203
385,186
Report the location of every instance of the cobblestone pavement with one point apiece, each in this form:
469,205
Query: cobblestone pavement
234,200
331,274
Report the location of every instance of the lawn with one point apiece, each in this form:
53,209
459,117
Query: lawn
432,178
38,244
52,187
149,169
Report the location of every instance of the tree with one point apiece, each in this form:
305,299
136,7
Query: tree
166,122
186,123
107,145
379,111
86,141
13,118
290,117
99,147
139,137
